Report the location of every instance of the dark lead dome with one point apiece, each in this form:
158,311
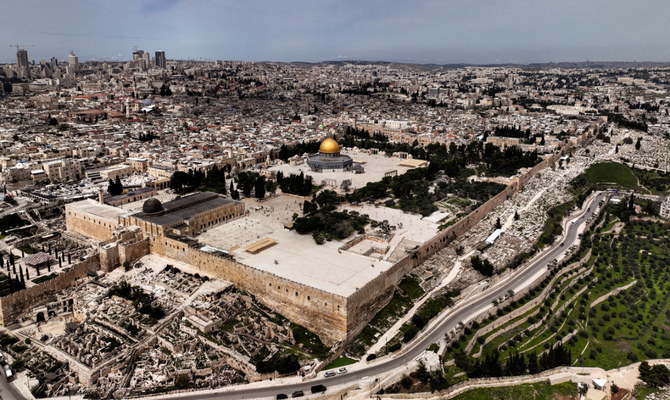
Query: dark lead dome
152,206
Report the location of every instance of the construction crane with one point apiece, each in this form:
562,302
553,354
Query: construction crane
18,46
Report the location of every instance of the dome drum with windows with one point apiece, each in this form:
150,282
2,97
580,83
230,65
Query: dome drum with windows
329,159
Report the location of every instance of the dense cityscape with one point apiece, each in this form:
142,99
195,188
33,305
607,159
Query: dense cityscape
229,229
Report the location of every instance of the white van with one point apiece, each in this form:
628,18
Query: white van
8,373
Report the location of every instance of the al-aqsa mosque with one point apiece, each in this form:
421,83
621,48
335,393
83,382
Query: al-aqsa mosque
329,158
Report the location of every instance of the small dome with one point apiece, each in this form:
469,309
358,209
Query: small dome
329,146
152,206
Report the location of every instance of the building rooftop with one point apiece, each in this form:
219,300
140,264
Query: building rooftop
184,208
101,210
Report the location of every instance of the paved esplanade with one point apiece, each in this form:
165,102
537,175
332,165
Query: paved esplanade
460,312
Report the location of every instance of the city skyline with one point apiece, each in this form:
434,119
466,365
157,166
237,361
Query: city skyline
479,32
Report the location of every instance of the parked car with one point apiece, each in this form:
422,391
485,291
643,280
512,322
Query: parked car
281,396
342,370
298,393
328,374
8,373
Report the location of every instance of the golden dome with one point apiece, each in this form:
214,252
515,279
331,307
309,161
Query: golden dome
329,146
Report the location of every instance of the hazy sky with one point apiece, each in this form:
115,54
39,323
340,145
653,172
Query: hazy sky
420,31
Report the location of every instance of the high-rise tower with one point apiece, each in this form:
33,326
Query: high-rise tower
161,62
22,63
73,63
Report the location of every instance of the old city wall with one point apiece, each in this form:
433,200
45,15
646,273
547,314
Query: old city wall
132,251
445,237
108,253
13,305
364,303
321,312
88,225
368,300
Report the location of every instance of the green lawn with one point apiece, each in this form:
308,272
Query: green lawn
612,172
643,392
340,362
538,391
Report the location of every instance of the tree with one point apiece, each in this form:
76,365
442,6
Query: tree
483,266
182,381
115,188
654,376
259,188
498,224
516,215
638,144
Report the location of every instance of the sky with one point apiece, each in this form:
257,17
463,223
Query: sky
416,31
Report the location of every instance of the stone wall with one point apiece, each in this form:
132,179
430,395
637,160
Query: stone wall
133,250
321,312
13,305
368,300
89,225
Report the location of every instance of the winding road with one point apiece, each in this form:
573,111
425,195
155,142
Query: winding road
460,312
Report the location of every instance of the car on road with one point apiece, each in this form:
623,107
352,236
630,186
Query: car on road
8,373
298,393
342,370
562,243
328,374
318,389
281,396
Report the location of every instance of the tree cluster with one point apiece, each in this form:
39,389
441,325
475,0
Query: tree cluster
214,181
283,364
516,364
252,182
286,152
295,184
509,131
483,266
324,223
115,188
623,122
654,376
165,90
147,137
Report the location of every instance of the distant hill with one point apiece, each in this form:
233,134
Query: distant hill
550,65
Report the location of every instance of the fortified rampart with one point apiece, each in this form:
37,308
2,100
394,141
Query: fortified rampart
321,312
13,305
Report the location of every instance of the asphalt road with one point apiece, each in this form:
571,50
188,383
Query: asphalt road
8,391
460,312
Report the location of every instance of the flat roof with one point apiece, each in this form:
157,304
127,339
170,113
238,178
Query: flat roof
100,210
259,246
413,163
295,257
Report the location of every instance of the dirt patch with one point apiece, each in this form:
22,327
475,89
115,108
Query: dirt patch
623,346
620,394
